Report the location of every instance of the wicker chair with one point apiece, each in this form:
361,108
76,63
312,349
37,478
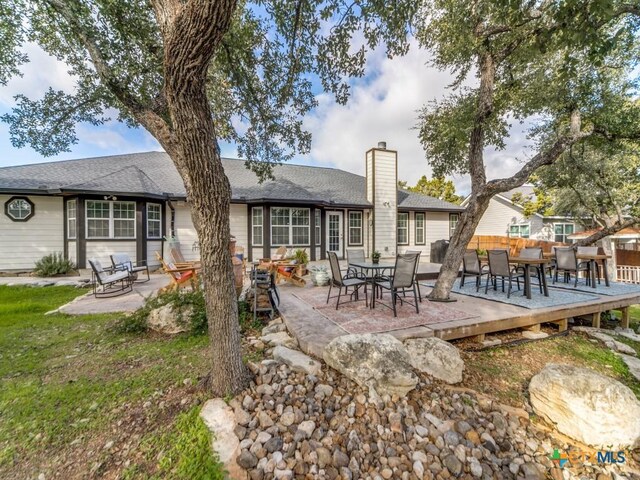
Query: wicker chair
352,279
499,268
403,281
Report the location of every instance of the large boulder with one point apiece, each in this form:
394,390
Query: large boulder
221,421
378,361
589,407
168,319
435,357
298,361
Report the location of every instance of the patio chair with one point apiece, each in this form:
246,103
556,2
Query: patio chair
403,282
591,251
471,267
567,263
415,274
280,253
352,279
108,282
534,252
122,261
180,276
499,268
180,262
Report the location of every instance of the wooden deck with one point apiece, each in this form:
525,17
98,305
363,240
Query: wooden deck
314,331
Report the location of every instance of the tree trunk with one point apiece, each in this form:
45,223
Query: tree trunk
194,149
465,229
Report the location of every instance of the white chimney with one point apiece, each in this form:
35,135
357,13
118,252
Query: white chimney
382,192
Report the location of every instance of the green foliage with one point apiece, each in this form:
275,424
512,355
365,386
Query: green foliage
437,187
540,201
189,454
375,255
301,256
52,265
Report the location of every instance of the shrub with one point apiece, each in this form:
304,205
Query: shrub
53,264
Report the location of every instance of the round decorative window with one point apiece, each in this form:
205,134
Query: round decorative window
19,209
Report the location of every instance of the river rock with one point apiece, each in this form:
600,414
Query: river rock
220,419
297,360
589,407
377,361
435,357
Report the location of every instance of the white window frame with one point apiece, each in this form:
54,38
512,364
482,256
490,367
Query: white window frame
73,219
291,226
454,218
318,226
520,225
153,220
405,227
423,229
564,232
259,226
360,228
111,220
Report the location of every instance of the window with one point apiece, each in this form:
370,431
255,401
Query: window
19,209
111,219
290,226
71,219
562,231
453,223
154,220
403,228
519,231
257,226
355,228
318,227
420,228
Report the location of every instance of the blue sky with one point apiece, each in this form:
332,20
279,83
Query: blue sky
383,106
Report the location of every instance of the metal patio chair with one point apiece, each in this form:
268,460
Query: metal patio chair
108,282
122,261
402,282
567,263
352,279
471,267
534,252
499,268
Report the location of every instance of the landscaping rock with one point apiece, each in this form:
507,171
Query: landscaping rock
531,335
279,338
628,333
435,357
587,406
633,363
611,343
297,360
377,361
220,419
168,320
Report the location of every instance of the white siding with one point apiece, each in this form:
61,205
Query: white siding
257,253
72,251
22,243
153,246
102,250
186,233
385,198
501,214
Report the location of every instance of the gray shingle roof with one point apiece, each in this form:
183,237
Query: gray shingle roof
153,174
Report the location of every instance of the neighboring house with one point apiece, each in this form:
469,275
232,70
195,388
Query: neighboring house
625,239
506,218
90,208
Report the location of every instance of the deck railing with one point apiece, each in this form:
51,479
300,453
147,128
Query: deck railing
628,274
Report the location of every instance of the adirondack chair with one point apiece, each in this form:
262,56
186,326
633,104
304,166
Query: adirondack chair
179,261
287,272
180,276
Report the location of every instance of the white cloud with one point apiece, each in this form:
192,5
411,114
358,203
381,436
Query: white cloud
41,72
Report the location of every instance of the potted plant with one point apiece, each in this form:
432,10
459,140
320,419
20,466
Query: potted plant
319,275
375,256
302,258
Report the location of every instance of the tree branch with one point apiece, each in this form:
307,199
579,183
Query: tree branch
142,113
540,159
605,232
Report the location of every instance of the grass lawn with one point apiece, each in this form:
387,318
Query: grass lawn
77,398
634,317
505,372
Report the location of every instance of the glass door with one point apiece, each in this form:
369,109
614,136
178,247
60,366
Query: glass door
334,233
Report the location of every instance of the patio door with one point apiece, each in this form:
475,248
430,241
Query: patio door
335,236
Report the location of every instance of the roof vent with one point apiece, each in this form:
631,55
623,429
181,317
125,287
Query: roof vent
382,145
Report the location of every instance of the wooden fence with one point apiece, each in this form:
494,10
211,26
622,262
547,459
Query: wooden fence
627,257
628,274
490,242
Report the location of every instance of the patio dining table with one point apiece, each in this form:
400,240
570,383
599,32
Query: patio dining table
527,263
377,269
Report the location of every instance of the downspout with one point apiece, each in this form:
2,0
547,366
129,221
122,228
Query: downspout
172,224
